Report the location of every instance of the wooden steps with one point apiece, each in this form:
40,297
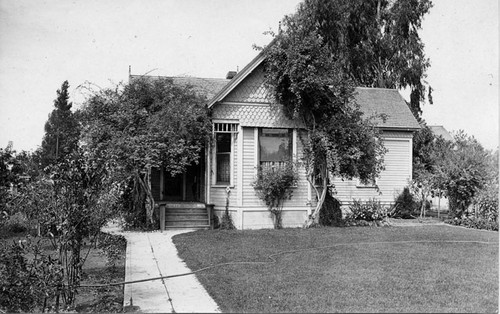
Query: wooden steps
192,215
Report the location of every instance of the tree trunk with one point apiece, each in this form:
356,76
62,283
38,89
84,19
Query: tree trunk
144,183
314,218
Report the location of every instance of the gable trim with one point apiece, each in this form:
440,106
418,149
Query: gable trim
238,78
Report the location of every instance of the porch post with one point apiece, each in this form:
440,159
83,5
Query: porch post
162,217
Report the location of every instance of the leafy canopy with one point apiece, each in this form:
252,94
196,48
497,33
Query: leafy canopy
144,124
375,43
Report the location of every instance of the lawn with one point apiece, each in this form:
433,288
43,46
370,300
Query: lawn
352,269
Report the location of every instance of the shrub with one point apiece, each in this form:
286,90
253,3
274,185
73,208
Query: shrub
331,213
368,211
17,223
405,205
486,202
112,246
227,220
475,223
274,186
27,284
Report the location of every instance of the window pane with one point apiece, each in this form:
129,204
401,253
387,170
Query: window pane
223,168
275,145
223,142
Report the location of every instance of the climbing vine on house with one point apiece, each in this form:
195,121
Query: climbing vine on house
317,58
274,185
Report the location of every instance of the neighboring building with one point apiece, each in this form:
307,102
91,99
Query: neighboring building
250,132
439,130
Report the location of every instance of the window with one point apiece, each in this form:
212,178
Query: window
370,184
275,147
223,158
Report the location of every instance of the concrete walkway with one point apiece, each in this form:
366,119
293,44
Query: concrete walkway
153,254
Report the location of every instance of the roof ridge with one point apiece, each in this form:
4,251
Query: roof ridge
196,77
384,88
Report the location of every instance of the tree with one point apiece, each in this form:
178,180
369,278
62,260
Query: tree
375,43
61,129
145,124
465,170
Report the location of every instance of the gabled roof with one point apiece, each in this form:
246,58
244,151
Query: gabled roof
439,130
204,86
389,102
371,100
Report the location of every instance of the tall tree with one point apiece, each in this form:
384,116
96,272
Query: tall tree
376,42
146,124
61,129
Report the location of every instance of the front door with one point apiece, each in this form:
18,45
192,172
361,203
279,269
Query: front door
186,186
173,187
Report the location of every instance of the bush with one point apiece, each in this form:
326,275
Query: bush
475,223
486,202
369,211
112,246
405,205
227,221
331,213
27,284
274,186
17,223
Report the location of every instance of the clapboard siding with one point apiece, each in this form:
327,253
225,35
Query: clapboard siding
249,171
397,172
262,218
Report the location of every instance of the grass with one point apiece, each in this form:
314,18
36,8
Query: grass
364,275
95,271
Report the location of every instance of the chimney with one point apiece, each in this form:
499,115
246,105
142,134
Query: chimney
230,75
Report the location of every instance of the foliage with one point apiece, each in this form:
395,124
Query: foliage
374,44
422,190
310,85
473,222
61,129
331,213
370,210
27,283
465,172
486,200
71,204
404,205
144,124
113,247
16,223
424,151
274,186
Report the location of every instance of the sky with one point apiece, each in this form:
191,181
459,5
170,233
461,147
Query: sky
93,43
